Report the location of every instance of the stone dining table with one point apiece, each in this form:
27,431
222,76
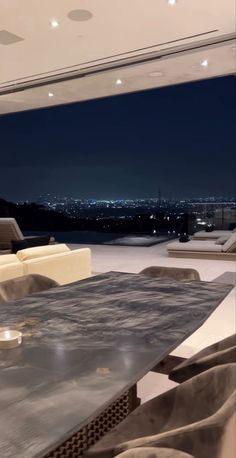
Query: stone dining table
84,345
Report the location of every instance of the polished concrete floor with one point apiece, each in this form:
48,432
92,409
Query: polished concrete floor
221,324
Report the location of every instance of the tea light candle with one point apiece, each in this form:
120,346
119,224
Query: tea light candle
10,339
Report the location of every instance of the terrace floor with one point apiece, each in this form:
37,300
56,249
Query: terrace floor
221,324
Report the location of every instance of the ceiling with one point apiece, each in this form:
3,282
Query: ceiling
47,57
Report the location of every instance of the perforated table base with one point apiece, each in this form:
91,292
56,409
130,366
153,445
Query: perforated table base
76,445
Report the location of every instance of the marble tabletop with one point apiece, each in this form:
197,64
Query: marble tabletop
84,345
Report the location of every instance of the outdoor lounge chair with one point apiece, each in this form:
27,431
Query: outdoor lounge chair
10,231
214,235
196,417
204,249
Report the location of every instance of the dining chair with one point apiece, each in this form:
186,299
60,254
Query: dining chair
176,273
222,352
20,287
196,417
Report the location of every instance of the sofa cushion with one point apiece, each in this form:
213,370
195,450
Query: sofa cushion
29,242
8,259
41,251
230,245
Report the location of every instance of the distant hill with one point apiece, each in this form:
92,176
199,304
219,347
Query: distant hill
33,217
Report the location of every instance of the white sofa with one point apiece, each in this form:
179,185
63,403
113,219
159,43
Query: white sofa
10,267
54,261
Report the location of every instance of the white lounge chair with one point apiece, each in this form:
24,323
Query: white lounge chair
214,235
204,249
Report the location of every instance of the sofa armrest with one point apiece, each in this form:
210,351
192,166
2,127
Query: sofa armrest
11,270
64,267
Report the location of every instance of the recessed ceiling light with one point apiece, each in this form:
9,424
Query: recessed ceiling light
172,2
54,23
50,94
204,63
80,15
118,82
155,74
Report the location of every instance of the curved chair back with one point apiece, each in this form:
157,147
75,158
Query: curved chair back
176,273
153,452
20,287
223,352
196,417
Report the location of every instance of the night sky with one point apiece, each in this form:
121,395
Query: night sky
180,139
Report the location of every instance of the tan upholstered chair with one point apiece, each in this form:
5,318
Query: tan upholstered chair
196,417
176,273
223,352
153,452
9,230
18,288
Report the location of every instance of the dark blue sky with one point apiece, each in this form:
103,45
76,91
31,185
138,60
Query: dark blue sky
181,139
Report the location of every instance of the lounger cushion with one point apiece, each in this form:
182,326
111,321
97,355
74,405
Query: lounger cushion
230,245
212,235
195,245
222,240
41,251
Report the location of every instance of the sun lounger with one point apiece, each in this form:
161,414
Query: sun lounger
204,249
203,235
